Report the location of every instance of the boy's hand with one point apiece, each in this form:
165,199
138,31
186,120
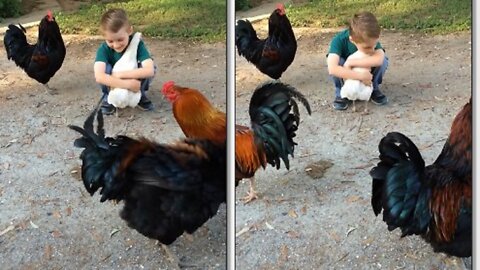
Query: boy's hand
134,85
367,83
366,78
348,64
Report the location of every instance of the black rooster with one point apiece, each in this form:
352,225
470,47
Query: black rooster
42,60
433,201
167,188
273,55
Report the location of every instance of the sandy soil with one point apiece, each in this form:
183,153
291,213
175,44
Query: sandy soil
48,220
318,214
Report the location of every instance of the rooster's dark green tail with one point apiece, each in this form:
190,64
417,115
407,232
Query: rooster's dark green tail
398,186
275,118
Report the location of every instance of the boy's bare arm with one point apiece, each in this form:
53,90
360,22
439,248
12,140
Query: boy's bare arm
374,60
146,71
103,78
336,70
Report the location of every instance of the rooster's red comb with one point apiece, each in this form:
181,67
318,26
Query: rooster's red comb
49,15
281,7
167,85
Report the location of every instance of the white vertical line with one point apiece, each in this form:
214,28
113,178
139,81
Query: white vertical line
475,99
230,134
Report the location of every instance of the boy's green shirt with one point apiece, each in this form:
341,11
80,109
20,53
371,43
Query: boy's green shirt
342,46
110,56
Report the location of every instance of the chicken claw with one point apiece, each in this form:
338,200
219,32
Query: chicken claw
251,194
366,111
171,257
50,90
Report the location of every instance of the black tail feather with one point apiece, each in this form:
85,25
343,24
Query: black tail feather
398,185
245,38
89,136
100,160
275,118
17,46
167,189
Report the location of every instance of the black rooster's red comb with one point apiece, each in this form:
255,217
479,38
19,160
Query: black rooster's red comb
49,15
281,7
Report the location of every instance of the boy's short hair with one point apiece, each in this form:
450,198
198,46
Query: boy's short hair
114,19
364,26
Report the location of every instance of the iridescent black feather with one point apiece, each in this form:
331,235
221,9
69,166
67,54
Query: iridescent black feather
273,55
433,201
275,118
41,60
167,189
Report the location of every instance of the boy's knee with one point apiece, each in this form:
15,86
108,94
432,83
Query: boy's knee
335,79
385,62
154,72
382,68
108,69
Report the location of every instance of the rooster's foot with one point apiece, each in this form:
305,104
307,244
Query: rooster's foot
171,257
50,90
251,196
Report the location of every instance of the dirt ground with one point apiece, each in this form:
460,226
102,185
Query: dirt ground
318,214
48,220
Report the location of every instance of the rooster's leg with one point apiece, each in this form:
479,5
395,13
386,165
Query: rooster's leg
354,109
453,262
365,112
252,194
50,90
467,262
172,258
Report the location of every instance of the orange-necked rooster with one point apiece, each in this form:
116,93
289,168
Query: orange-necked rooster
433,201
273,55
42,60
168,189
274,118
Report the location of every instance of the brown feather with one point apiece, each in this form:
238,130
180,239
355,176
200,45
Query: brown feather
40,59
134,150
271,54
445,206
189,148
461,133
447,199
247,156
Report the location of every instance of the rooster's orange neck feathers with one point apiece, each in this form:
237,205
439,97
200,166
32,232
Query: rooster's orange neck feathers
209,124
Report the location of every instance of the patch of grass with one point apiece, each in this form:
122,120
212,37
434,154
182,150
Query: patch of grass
242,4
435,16
202,20
10,8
